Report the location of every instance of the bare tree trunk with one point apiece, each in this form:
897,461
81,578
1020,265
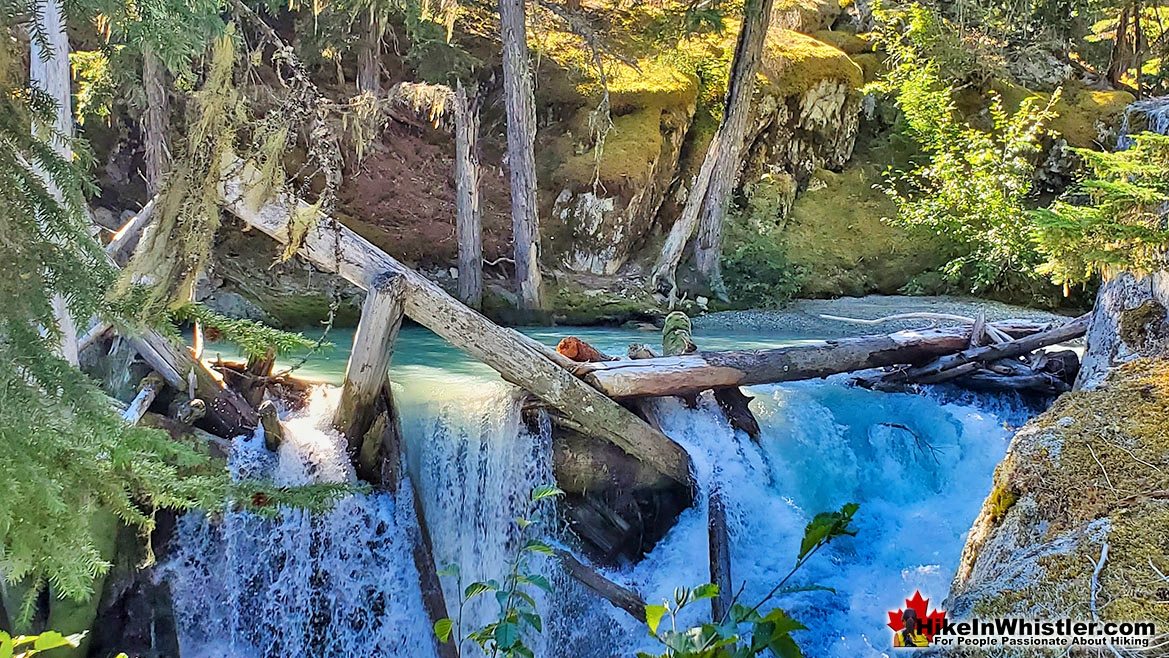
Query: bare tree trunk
155,120
49,71
748,55
369,56
664,277
521,159
1121,48
469,216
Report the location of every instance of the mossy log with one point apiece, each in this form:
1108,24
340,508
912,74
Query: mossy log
693,373
336,248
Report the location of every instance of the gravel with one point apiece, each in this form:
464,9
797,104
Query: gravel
803,316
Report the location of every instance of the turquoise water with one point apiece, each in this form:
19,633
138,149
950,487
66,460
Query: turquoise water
340,584
423,359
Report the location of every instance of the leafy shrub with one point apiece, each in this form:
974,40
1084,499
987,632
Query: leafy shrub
745,631
975,185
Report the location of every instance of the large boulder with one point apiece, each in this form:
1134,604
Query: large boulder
1078,512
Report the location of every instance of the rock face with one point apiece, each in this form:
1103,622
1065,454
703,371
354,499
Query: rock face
1086,479
805,117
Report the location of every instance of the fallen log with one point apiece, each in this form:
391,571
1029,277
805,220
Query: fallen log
952,364
148,390
719,543
334,247
620,596
692,373
228,414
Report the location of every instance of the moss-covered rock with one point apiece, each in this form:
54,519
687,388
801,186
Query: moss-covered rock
1090,471
1086,118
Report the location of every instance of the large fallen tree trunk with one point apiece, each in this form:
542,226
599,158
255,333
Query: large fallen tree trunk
1025,345
336,248
619,595
693,373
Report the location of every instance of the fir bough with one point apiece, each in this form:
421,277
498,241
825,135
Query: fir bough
66,453
253,338
1115,220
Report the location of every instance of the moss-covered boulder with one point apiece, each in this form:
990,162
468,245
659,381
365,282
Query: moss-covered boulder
607,176
1079,512
1090,472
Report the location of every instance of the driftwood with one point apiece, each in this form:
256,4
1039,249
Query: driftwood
148,390
228,414
580,351
683,375
720,555
934,371
619,595
270,421
333,247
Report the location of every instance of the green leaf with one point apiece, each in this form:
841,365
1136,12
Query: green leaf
475,589
707,591
52,640
785,647
533,620
522,522
827,526
450,570
506,635
537,580
537,546
653,617
546,491
443,628
6,645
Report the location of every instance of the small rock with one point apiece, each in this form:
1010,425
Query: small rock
1066,421
454,272
702,302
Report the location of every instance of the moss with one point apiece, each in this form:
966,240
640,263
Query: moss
1138,548
577,304
1137,323
849,42
1002,498
1081,112
1113,442
795,63
836,232
872,66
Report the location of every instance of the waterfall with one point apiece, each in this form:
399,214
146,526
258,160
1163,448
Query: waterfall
1155,112
343,583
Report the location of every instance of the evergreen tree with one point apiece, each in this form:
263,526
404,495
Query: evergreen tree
67,455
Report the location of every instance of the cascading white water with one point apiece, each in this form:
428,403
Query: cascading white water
918,468
341,583
344,584
1156,114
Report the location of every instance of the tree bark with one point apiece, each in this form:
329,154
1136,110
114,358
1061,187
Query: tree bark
1121,47
148,389
693,373
49,72
369,56
719,544
336,248
366,377
664,277
155,120
748,55
1128,322
521,159
467,212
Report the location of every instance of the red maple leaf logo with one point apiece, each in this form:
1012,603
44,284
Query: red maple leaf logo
931,621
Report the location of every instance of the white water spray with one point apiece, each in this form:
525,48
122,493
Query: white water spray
343,583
